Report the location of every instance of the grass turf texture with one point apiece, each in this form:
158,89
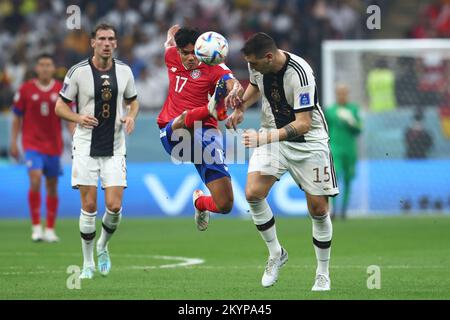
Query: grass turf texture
412,252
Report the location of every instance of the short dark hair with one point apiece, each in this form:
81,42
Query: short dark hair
44,56
259,44
185,36
103,26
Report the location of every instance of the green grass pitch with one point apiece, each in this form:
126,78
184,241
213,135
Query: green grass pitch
412,252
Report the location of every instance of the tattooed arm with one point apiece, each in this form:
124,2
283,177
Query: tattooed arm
298,127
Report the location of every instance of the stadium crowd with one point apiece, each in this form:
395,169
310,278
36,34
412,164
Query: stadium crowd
30,27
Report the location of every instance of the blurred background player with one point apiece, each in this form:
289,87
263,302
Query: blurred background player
42,142
418,140
190,83
344,126
293,137
101,85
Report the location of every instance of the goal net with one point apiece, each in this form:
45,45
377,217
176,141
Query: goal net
403,90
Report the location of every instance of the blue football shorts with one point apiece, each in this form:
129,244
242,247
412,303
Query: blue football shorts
50,165
203,147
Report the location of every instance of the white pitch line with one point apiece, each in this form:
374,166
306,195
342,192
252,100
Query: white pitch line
181,262
185,262
13,273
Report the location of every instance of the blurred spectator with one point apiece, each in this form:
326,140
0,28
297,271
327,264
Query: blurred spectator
129,57
433,21
77,42
433,78
43,19
418,140
15,71
11,15
343,18
6,94
152,85
89,17
123,17
439,15
148,46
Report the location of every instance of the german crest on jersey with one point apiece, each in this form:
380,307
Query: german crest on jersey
106,89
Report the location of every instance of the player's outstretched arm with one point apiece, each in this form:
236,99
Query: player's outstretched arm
64,111
250,96
170,41
298,127
235,93
130,119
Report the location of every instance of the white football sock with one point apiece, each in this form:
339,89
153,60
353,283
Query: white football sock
322,231
265,223
110,223
87,231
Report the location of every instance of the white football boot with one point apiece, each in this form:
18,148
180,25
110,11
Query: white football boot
50,235
36,233
87,272
272,270
201,217
322,283
104,261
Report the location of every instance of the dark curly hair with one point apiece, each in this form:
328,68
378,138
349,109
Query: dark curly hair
185,36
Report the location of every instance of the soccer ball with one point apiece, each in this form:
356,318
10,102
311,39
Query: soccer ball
211,48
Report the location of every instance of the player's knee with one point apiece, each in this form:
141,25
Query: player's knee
253,194
225,204
226,207
90,206
318,209
35,184
114,206
35,187
52,191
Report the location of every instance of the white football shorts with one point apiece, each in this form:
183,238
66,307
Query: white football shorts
86,170
309,163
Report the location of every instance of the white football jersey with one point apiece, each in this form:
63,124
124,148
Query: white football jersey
291,90
99,94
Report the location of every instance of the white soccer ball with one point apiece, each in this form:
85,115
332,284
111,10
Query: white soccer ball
211,48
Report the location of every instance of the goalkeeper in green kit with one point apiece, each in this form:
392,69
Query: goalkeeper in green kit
344,126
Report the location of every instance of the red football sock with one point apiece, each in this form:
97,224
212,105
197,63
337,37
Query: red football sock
34,201
206,203
52,208
196,114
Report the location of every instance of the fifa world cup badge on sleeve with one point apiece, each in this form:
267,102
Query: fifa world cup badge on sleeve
304,99
64,88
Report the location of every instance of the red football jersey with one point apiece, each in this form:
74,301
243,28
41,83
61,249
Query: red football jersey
188,89
41,128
